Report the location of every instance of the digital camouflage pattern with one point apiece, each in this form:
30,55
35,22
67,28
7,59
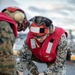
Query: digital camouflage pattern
56,68
7,39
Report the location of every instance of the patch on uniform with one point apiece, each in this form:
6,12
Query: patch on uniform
48,57
33,44
49,47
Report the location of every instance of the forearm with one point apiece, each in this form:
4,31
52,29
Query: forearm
32,68
25,60
58,66
24,56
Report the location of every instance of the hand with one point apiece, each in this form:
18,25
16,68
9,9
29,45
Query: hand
20,73
41,73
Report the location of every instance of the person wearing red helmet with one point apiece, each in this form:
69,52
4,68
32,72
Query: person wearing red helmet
45,43
12,19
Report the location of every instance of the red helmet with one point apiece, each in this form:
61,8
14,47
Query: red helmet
38,30
39,25
13,9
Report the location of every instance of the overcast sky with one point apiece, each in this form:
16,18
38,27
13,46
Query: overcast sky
61,12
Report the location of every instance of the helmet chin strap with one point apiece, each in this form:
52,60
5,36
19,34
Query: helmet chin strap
36,43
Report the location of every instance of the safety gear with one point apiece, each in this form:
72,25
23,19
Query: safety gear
18,15
38,31
39,25
39,20
4,17
47,51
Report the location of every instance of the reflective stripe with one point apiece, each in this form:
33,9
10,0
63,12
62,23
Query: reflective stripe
33,44
49,47
34,29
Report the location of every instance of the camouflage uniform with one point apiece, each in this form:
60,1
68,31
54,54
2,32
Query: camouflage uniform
7,39
12,19
56,68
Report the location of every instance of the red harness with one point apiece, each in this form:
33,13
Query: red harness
47,52
6,18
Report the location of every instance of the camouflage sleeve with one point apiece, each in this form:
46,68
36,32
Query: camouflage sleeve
57,68
25,56
7,39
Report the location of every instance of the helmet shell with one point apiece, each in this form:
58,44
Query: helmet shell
38,30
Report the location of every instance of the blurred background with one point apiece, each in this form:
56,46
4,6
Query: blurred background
61,12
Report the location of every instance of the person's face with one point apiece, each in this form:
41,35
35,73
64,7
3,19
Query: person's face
42,38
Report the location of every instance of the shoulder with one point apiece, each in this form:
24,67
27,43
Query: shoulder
63,40
63,37
4,23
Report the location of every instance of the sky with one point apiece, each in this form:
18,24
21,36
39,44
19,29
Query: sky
61,12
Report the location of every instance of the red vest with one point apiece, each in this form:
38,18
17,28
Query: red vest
4,17
47,52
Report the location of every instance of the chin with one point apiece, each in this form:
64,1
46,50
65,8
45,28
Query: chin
40,41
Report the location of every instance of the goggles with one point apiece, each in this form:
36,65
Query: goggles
39,20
